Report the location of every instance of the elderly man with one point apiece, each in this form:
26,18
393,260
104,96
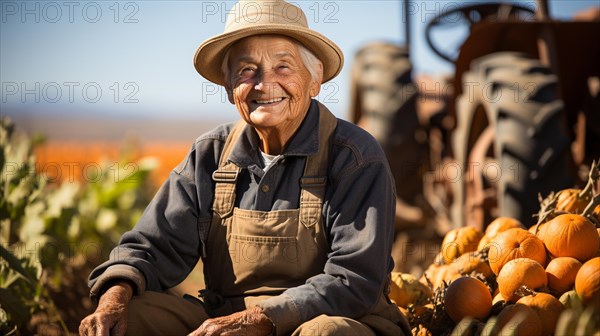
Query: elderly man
290,209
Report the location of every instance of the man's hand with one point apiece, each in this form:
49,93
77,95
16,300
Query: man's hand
110,318
250,322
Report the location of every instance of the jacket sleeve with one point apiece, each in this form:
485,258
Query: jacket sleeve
360,220
158,254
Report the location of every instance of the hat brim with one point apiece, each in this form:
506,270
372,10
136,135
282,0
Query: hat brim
209,55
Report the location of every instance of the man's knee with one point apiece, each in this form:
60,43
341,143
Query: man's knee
155,313
324,325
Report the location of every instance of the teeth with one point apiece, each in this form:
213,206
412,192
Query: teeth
274,100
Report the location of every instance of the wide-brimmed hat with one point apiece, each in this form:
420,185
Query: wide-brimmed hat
251,17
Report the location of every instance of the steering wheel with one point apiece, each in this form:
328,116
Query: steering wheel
471,15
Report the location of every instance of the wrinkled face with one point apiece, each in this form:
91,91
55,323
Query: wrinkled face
270,84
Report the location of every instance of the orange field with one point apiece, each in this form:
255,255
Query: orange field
63,161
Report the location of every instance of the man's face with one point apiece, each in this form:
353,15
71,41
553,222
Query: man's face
271,86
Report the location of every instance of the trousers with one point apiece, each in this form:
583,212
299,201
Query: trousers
155,313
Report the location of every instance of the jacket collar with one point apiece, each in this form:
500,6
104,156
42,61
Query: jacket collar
305,142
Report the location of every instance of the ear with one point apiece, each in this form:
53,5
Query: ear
315,86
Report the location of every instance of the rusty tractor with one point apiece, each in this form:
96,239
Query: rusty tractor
522,117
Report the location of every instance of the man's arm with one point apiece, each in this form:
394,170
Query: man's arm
162,248
158,253
165,244
110,316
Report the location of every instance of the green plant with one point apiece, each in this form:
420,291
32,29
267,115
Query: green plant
53,234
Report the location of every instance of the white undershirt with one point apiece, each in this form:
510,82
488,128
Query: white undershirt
268,160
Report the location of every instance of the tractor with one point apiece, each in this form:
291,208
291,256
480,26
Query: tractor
519,118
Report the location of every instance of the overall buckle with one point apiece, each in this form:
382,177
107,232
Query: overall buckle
225,176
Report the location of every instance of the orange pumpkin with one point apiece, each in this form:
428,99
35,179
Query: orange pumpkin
533,229
570,200
485,241
439,259
561,274
527,321
570,235
472,262
498,298
547,307
448,276
520,272
467,296
405,289
587,282
502,224
512,244
498,225
439,274
459,241
430,274
424,309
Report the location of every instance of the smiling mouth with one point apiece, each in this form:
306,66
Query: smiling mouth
268,101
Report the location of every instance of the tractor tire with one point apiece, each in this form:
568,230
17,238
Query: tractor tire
517,97
384,103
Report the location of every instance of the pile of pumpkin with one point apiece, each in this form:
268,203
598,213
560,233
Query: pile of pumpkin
510,280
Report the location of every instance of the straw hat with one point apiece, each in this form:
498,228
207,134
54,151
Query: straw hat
252,17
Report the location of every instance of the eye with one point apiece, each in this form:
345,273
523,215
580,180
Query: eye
247,70
283,68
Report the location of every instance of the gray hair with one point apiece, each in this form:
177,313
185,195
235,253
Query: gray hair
311,62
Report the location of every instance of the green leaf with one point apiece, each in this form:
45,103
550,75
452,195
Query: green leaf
10,279
5,227
127,200
63,197
2,154
21,191
107,219
15,264
32,228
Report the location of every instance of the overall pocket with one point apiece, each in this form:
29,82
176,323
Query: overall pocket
263,262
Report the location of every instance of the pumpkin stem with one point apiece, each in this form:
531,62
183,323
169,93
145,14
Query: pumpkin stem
593,176
525,291
483,254
589,210
429,283
547,208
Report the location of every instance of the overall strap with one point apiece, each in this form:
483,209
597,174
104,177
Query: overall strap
226,175
315,171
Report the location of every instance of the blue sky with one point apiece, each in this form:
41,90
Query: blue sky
133,59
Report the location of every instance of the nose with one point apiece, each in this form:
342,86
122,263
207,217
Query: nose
264,81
